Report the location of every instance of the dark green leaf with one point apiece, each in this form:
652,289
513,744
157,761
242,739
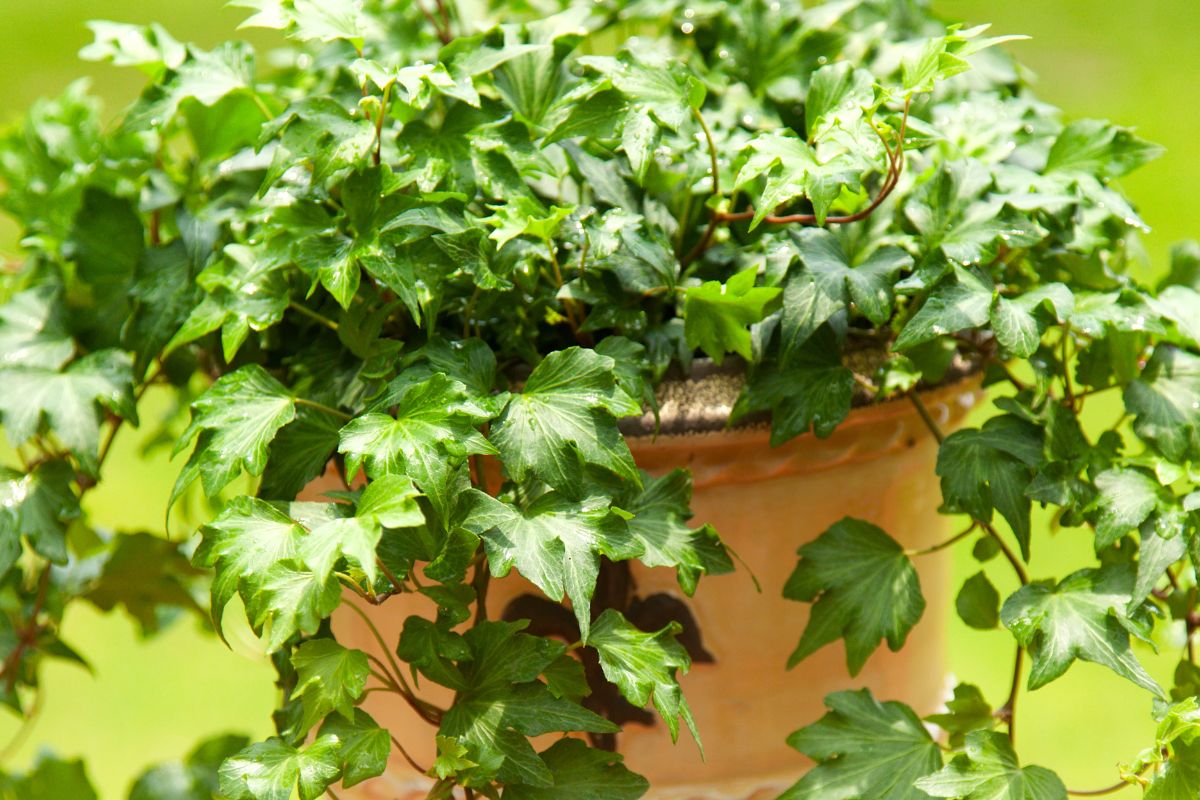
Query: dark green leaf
564,418
863,588
978,603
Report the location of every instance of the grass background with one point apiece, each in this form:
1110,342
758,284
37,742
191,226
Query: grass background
150,700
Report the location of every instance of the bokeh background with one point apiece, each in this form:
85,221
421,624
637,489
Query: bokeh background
151,700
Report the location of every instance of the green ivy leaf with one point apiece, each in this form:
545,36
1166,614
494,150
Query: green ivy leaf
39,506
242,544
431,426
1164,401
329,678
565,418
978,603
1180,776
52,778
1018,325
716,315
1082,616
582,773
32,331
793,169
502,702
988,770
147,47
68,402
148,575
946,56
594,119
966,712
246,291
309,20
1126,497
274,770
828,284
953,306
835,93
643,667
1099,149
235,421
321,132
864,748
990,468
525,216
299,453
813,389
364,746
863,589
451,758
205,76
660,512
554,542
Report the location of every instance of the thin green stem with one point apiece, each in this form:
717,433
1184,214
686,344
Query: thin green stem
714,218
427,711
1116,787
953,540
712,151
333,412
387,651
313,315
258,101
479,582
1068,389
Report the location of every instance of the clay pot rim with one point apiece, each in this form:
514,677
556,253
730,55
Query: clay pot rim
709,391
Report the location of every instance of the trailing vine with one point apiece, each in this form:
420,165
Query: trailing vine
437,251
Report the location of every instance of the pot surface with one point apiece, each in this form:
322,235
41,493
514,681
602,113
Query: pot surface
765,503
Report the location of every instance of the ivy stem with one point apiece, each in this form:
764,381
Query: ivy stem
314,316
1008,711
955,539
934,429
927,418
1068,389
333,412
26,637
479,582
378,154
258,101
411,761
27,725
427,711
714,218
1022,575
895,162
391,576
469,311
1116,787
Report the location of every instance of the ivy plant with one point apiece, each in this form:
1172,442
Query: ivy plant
440,250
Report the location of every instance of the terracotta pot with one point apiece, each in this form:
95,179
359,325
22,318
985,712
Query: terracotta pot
765,502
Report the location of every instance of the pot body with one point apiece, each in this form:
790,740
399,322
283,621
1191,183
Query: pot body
764,502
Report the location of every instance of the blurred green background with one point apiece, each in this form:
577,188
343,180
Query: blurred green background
151,700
